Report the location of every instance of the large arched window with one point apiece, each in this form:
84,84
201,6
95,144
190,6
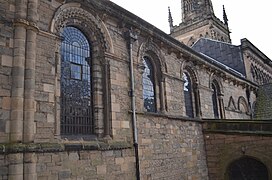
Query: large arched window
149,94
76,84
188,95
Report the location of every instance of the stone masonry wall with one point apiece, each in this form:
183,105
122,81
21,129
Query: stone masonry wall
6,44
74,165
171,148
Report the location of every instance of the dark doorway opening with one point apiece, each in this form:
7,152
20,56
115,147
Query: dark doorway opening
247,168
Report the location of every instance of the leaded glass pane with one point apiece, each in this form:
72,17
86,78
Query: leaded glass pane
76,71
149,86
188,95
76,94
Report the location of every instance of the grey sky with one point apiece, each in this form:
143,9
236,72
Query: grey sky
247,19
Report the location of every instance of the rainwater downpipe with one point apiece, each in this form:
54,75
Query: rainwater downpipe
132,38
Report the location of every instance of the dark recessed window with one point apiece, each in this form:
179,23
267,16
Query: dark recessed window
215,101
248,168
187,89
76,86
149,86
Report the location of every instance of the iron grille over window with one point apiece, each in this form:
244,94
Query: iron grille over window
149,86
76,81
188,95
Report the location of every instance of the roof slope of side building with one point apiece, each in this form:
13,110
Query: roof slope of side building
227,54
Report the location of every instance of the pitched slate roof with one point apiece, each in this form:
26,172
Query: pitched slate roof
227,54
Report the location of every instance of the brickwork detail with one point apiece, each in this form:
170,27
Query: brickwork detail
223,149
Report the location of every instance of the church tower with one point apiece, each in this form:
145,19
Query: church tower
198,20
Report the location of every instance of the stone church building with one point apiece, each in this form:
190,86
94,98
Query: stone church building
89,91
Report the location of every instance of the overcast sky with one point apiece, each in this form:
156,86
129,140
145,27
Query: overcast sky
247,18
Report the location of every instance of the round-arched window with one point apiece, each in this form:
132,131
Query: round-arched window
76,83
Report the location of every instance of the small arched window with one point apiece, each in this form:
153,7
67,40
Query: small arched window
149,94
188,95
76,84
217,100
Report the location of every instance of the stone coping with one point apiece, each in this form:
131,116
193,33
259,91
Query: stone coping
10,148
252,133
169,116
251,121
247,127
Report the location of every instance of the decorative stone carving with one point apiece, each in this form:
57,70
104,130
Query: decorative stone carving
75,15
150,46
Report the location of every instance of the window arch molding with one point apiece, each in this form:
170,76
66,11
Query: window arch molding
217,80
157,79
151,49
217,98
100,42
71,14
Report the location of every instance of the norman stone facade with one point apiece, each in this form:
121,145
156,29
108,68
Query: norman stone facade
90,91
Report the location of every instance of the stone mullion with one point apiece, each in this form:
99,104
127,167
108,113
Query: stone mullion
18,70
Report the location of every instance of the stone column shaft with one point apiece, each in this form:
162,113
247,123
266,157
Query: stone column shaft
161,95
30,160
29,86
16,166
29,93
57,89
221,107
98,110
18,70
106,99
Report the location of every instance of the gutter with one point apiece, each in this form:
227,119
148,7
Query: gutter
132,38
